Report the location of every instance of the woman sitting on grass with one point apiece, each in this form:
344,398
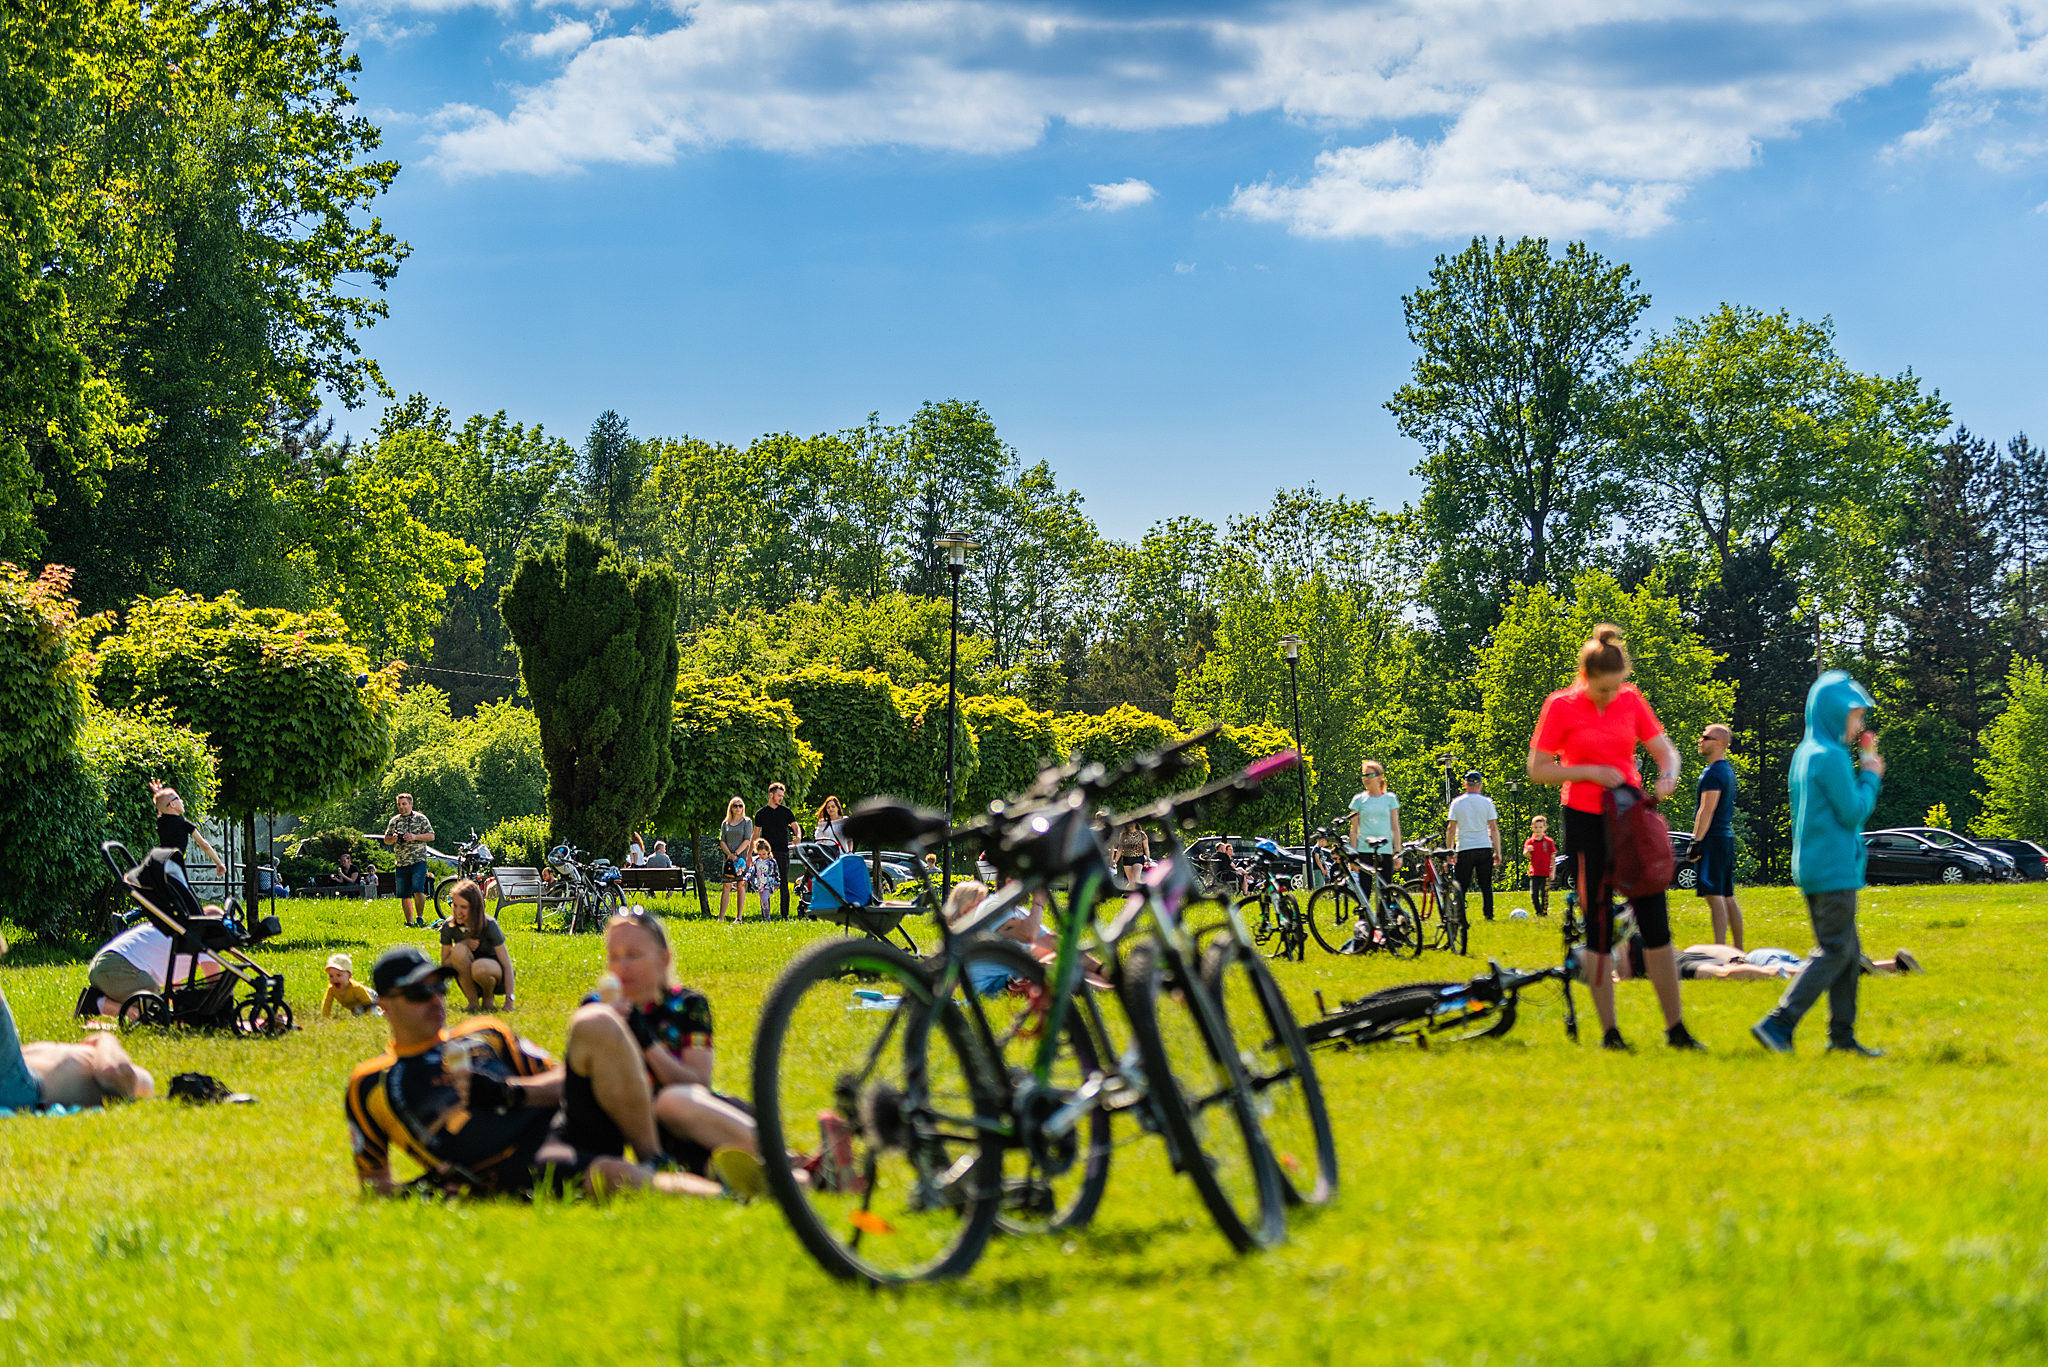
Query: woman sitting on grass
473,944
700,1129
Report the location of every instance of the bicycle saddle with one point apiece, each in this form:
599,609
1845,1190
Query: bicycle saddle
885,821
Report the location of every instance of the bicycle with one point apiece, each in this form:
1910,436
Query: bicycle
1442,895
1268,874
472,860
975,1090
1382,916
581,902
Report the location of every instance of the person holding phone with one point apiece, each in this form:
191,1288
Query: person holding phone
1832,796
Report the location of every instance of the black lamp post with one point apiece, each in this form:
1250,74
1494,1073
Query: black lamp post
1292,646
956,544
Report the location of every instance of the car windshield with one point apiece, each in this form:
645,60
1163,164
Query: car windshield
1944,838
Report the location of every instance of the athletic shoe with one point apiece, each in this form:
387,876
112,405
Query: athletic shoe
1678,1037
1855,1047
88,1003
1906,962
1613,1040
1772,1036
741,1172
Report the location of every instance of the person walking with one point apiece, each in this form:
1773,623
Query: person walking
408,833
777,824
1713,836
1586,739
1376,821
1473,830
1831,798
1541,853
735,839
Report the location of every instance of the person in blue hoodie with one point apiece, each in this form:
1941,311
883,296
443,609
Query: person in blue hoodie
1831,797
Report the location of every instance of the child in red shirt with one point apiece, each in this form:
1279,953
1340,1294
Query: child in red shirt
1541,852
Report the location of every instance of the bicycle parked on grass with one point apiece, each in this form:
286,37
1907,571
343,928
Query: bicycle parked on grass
472,860
1440,895
1358,910
585,894
1268,876
976,1090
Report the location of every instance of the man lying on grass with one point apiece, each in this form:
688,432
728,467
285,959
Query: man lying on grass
47,1073
1726,961
476,1106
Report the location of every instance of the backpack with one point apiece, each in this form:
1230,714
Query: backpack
1639,856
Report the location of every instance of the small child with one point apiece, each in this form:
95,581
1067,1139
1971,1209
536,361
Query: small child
762,874
1541,852
343,990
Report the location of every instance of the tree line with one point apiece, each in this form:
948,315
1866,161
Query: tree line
191,192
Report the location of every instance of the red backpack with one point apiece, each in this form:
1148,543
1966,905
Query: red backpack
1639,857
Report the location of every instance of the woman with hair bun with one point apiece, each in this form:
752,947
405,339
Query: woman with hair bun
1586,740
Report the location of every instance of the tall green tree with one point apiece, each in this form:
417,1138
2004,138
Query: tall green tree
286,700
613,468
597,649
1520,364
2015,780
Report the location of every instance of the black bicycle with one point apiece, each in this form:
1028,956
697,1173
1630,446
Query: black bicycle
1270,876
1358,910
472,860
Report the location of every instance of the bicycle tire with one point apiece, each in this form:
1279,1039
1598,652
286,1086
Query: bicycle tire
1225,1157
1292,1113
905,1208
1403,927
1016,1021
1334,904
1293,933
444,902
1251,905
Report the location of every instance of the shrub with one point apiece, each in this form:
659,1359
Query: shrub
851,719
1277,808
521,842
1122,733
310,855
597,650
920,769
1013,741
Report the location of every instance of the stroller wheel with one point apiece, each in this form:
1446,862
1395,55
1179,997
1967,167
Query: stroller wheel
145,1008
279,1020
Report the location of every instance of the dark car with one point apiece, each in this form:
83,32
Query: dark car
2002,864
1909,857
1687,874
2031,858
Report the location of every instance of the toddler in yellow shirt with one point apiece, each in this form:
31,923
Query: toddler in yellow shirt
343,990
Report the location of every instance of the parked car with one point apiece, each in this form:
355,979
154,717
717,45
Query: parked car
2031,858
1687,874
2002,864
1909,857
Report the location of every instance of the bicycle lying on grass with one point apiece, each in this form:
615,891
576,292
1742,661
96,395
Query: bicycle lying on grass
1481,1008
976,1089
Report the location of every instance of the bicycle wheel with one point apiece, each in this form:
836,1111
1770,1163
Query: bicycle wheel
1277,1062
443,903
1204,1102
1402,924
1332,907
1252,907
1293,933
1457,929
893,1103
1056,1182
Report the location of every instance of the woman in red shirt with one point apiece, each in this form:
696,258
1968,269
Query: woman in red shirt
1586,739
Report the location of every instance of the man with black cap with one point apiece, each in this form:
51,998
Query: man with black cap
1474,831
474,1106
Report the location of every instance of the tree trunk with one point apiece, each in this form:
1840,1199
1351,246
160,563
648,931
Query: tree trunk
697,863
249,864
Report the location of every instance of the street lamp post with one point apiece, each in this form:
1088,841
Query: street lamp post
956,544
1292,646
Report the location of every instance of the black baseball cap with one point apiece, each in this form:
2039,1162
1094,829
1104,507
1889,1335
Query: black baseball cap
1474,776
403,966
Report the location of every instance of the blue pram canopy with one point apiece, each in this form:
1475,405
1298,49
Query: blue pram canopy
842,883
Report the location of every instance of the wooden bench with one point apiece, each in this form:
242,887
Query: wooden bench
664,881
523,885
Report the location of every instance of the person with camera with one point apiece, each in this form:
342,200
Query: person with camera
1586,740
408,833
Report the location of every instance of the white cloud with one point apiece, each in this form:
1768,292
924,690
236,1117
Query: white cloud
1183,268
1447,116
568,35
1123,194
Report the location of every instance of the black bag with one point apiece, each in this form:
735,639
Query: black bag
199,1089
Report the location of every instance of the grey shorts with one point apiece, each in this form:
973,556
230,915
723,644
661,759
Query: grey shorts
117,979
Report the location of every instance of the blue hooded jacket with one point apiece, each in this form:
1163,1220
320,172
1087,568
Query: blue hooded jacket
1831,797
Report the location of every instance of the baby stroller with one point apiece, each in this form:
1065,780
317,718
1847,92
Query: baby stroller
160,893
1481,1008
842,891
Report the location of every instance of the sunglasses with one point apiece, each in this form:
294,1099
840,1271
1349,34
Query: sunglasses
425,992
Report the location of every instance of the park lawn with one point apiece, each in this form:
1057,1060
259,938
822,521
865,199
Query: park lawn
1521,1201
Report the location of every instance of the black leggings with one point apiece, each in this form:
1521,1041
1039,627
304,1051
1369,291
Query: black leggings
1585,836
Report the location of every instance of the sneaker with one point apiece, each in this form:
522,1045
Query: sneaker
741,1172
1856,1047
1906,962
88,1003
1678,1037
1772,1036
1613,1040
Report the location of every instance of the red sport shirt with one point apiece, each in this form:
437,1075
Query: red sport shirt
1577,732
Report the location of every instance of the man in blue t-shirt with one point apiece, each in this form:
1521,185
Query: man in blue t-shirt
1713,836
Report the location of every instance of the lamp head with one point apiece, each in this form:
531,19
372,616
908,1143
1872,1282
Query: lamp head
1291,646
956,544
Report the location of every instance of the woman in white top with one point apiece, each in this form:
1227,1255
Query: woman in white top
829,828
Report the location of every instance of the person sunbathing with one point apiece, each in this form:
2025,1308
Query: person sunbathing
1728,962
49,1073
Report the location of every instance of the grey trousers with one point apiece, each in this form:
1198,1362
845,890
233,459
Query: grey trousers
1835,968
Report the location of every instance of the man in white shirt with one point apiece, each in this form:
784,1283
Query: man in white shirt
137,960
1474,832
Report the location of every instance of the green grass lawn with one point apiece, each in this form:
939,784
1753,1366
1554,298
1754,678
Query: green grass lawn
1520,1201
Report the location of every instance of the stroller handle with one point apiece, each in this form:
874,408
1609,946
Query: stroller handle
123,863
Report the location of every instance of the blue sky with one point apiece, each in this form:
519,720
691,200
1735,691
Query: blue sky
741,216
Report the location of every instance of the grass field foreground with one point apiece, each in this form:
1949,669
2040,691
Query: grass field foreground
1520,1201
